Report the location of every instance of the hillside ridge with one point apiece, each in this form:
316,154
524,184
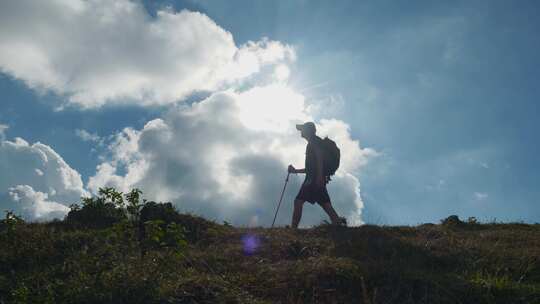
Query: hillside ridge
104,252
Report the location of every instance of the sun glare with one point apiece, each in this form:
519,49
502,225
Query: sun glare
271,108
281,73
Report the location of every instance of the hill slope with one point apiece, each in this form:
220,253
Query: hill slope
176,258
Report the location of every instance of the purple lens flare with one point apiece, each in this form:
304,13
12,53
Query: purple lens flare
250,243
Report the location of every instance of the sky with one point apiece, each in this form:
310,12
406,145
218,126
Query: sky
433,105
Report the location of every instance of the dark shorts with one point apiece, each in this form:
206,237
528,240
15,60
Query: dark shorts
313,194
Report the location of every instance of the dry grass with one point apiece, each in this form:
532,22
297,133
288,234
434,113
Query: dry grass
445,263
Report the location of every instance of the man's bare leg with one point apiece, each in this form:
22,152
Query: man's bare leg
331,213
297,213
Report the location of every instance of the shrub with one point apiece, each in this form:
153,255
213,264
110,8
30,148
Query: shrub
158,211
159,234
10,222
194,226
452,221
134,205
98,212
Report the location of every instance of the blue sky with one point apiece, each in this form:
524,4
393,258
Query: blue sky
445,93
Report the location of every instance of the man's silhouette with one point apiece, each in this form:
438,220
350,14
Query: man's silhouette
314,187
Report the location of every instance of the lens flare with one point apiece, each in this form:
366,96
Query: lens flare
272,108
250,243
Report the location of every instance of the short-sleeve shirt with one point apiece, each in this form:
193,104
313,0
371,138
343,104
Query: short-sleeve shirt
310,191
311,163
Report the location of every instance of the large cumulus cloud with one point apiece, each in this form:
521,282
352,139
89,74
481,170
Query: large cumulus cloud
35,181
225,157
100,51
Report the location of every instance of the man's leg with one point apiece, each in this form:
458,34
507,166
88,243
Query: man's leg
297,213
331,213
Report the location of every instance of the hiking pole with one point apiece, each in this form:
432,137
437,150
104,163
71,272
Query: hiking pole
281,198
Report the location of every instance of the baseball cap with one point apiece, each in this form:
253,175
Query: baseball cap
308,126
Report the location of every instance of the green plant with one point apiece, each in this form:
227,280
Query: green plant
160,234
452,221
20,294
158,211
134,204
11,222
110,194
98,212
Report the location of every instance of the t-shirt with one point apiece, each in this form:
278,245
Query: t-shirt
311,160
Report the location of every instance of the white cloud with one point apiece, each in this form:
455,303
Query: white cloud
87,136
34,204
480,196
225,157
36,172
101,51
3,129
281,73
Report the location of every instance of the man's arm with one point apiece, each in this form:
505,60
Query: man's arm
293,170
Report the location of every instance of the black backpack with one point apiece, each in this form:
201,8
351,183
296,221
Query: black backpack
331,156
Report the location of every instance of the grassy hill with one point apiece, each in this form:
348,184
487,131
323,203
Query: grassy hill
152,254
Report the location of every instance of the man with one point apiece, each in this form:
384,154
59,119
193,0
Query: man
314,187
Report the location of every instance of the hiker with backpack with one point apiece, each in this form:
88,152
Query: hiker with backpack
322,161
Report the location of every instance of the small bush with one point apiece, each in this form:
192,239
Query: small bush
98,212
158,234
195,227
10,222
452,221
152,211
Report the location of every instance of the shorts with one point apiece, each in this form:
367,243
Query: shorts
313,194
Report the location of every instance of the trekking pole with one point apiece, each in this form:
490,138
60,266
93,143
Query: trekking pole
281,198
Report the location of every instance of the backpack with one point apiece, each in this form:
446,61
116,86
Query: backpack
331,156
